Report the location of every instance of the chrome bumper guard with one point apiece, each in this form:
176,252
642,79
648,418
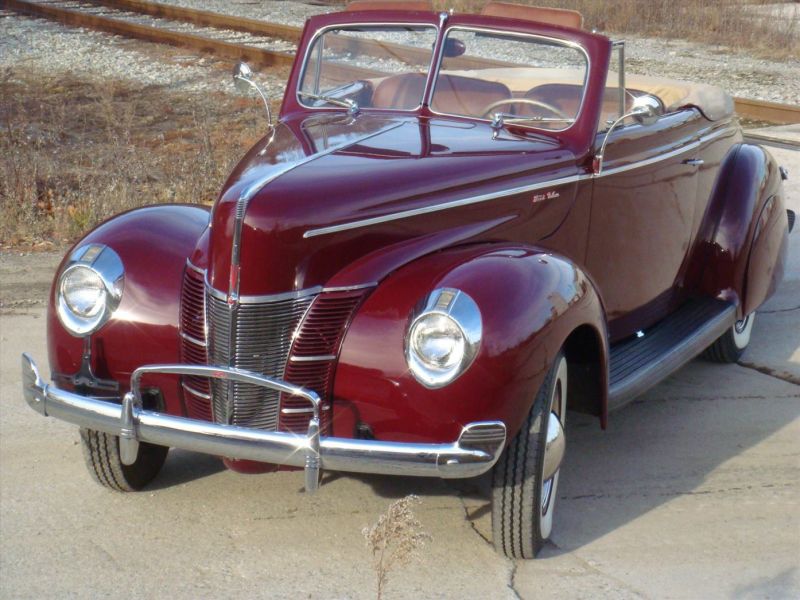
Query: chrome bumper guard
477,449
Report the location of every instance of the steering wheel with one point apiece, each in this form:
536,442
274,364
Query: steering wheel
529,101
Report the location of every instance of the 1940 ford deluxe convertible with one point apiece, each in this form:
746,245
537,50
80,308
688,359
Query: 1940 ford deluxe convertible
459,227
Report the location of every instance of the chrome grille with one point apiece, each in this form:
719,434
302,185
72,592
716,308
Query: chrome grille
256,337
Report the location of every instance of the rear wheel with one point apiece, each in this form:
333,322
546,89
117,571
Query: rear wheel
101,452
731,345
525,479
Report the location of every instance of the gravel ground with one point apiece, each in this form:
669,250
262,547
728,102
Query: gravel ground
41,45
738,73
35,42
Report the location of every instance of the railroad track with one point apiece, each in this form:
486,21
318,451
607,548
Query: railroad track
239,38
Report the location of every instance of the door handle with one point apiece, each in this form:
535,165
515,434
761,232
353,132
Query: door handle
695,162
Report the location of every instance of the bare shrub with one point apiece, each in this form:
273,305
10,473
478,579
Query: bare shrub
76,151
395,540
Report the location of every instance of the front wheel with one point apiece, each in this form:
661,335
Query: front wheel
731,345
101,452
525,479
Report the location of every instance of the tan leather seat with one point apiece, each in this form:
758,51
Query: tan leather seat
403,92
457,95
540,14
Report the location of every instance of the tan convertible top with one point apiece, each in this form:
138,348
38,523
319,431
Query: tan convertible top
712,101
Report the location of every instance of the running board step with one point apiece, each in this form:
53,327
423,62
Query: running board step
639,363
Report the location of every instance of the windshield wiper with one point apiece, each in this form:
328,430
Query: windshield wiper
347,103
499,119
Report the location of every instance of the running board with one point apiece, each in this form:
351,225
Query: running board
639,363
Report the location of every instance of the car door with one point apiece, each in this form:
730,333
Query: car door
643,208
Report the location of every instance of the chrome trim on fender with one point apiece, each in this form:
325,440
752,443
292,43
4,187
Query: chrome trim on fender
473,453
317,358
349,288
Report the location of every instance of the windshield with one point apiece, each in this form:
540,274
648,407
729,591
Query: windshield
523,79
368,66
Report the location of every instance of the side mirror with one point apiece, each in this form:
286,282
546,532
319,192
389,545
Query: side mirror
453,48
645,110
243,77
243,80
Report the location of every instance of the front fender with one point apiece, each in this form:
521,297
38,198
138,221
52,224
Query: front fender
742,242
153,243
530,303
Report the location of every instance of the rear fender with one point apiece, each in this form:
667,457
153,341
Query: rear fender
530,302
741,245
154,243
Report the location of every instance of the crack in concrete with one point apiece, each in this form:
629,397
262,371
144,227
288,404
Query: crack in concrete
782,375
674,494
592,569
778,310
512,565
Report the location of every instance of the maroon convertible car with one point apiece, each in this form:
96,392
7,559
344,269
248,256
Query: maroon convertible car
459,227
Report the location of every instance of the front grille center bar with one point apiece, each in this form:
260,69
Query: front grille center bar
132,403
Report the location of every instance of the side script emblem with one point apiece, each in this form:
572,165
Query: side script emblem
546,196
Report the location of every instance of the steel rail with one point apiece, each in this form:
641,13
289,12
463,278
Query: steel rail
67,16
771,112
759,110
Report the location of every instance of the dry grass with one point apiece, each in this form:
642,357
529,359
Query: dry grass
736,24
395,540
74,152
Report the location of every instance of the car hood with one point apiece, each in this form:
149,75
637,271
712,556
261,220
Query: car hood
326,190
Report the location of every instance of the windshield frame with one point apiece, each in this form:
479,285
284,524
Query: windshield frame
367,24
507,33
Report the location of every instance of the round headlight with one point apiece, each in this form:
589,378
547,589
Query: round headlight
89,289
438,341
444,338
84,291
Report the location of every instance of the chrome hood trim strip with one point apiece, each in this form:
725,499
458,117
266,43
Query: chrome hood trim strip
250,191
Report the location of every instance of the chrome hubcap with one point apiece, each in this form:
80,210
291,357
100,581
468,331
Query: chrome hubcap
742,330
554,448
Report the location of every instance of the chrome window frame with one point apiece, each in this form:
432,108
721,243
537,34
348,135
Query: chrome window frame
506,33
324,30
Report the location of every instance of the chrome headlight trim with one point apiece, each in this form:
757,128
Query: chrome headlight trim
101,261
458,319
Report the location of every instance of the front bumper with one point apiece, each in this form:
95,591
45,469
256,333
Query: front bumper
477,449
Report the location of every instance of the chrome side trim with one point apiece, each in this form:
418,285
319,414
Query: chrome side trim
303,411
512,191
473,453
196,392
444,206
667,155
195,268
321,357
193,340
220,295
350,288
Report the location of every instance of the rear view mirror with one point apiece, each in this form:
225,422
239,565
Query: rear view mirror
453,47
